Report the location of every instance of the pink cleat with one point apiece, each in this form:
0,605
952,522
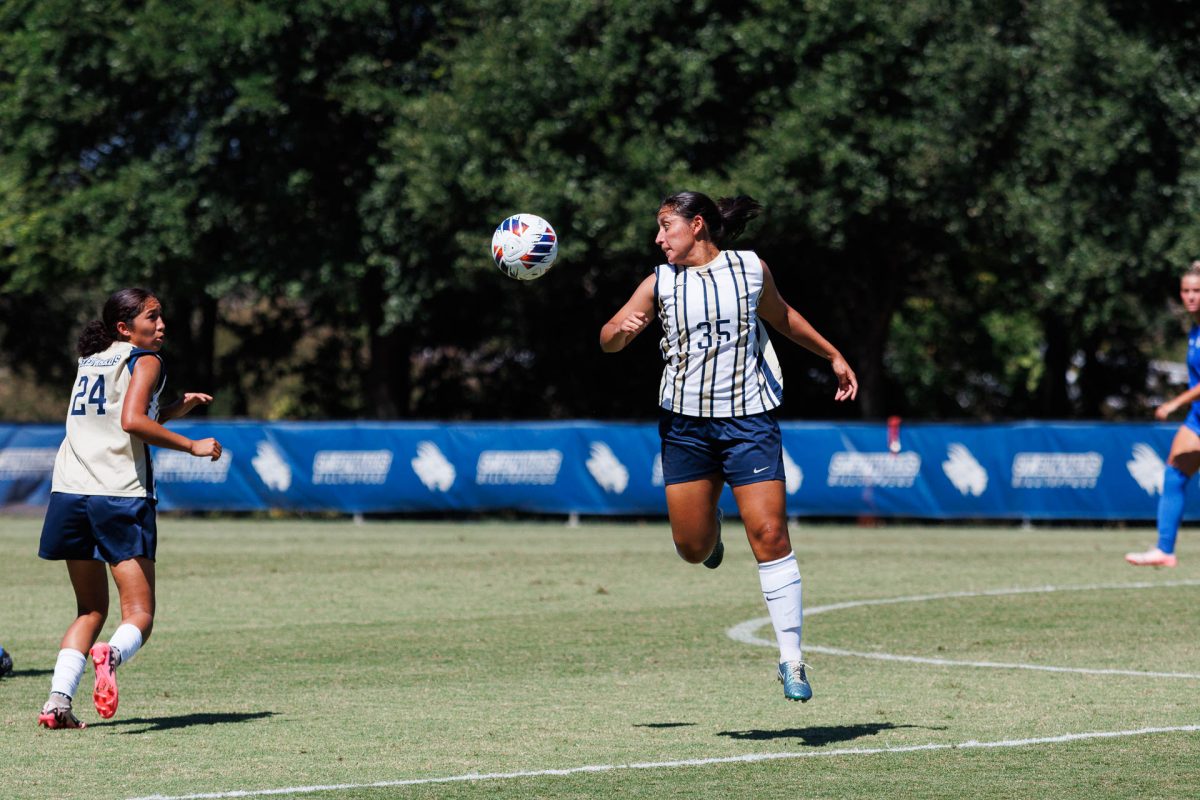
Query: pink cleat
105,693
1152,558
58,715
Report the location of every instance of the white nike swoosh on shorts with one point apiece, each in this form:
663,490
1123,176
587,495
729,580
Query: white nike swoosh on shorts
760,470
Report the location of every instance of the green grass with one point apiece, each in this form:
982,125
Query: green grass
315,653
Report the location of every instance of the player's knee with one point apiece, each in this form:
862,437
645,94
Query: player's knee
694,548
690,553
771,537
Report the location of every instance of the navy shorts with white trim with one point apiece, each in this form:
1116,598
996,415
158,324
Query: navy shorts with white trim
93,527
742,450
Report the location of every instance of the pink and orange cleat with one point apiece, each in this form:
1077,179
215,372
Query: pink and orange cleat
1151,558
57,714
105,693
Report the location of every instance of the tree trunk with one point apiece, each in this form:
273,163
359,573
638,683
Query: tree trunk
205,350
387,377
1055,404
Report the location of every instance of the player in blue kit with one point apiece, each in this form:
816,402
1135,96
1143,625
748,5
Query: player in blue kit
102,497
6,662
1184,458
720,386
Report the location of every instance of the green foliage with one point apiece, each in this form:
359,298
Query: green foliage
973,200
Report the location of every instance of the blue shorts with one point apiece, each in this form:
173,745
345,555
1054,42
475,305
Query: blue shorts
94,527
741,449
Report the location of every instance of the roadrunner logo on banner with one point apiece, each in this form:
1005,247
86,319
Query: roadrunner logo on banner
1056,470
352,466
964,471
607,469
891,470
433,468
271,467
656,473
794,475
175,466
536,467
27,462
1146,468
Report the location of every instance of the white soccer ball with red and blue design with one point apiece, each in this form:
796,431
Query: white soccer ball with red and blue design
524,246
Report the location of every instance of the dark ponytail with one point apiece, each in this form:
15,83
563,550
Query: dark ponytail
121,306
93,339
725,219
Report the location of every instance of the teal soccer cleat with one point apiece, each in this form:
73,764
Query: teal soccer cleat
795,681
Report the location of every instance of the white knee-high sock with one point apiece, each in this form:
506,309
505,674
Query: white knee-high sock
68,671
780,581
126,640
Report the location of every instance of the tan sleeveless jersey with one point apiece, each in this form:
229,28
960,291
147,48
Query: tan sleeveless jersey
97,456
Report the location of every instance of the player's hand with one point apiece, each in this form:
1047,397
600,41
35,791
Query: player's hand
847,382
634,324
1165,410
191,400
206,447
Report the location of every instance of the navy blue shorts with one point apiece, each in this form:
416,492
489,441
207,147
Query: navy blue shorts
741,449
94,527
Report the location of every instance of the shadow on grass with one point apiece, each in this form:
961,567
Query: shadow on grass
823,735
28,673
664,724
185,721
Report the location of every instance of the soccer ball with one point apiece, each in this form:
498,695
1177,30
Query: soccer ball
524,246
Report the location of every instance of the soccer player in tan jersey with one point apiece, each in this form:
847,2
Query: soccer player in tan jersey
102,502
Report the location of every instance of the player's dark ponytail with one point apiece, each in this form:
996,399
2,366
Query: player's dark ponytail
725,219
121,306
736,212
93,339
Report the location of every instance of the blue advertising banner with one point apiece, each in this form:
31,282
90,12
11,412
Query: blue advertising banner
1019,470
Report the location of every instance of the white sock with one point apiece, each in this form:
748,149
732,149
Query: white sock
126,640
68,671
780,581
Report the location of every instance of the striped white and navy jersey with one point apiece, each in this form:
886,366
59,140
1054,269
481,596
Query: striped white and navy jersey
720,362
98,456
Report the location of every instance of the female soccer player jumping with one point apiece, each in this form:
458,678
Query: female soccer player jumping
102,495
1184,458
719,388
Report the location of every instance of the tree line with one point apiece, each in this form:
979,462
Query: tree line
985,204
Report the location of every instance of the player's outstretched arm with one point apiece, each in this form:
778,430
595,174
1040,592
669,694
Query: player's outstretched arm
135,420
788,321
1182,400
181,407
631,320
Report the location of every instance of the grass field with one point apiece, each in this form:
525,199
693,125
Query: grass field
326,654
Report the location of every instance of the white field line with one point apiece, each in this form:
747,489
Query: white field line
747,632
921,598
749,758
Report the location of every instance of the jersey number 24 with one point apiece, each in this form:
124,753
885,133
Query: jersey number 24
83,398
